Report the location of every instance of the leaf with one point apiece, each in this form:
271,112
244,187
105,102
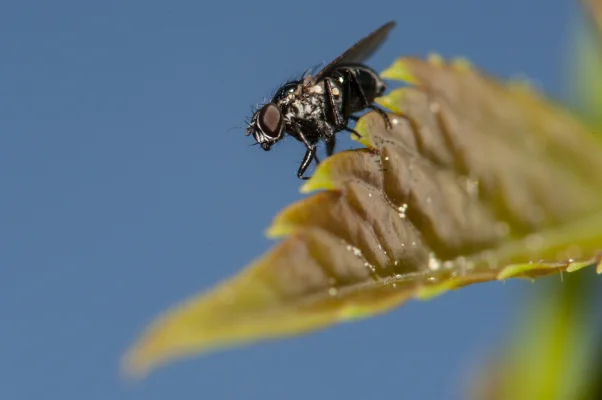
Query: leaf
476,181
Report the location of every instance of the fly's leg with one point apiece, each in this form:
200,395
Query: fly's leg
330,143
338,118
348,129
336,114
310,154
306,134
382,114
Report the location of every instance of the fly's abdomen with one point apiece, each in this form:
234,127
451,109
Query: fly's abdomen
372,85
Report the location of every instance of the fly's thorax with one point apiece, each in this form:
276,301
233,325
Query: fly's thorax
311,105
287,92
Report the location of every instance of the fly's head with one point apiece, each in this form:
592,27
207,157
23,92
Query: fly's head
267,125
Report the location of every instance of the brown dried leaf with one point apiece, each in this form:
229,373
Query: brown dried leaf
477,181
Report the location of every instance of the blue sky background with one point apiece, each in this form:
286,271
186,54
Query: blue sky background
121,184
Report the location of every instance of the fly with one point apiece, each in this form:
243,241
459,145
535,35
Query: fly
316,108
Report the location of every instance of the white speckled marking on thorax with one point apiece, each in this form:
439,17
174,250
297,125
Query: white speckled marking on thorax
308,106
317,89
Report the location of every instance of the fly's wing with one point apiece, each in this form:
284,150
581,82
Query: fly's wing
357,53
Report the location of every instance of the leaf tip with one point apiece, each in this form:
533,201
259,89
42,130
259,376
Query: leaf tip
145,354
390,101
513,271
522,84
132,367
400,71
277,230
576,266
321,179
281,226
364,140
316,182
461,64
353,312
429,292
530,270
435,59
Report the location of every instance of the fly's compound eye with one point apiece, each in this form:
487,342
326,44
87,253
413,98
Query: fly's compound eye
271,121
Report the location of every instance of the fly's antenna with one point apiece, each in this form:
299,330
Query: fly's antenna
234,127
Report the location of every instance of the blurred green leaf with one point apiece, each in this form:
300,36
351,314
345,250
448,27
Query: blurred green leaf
556,351
549,357
593,9
478,180
585,64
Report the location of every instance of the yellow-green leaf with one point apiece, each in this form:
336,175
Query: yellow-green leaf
478,180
